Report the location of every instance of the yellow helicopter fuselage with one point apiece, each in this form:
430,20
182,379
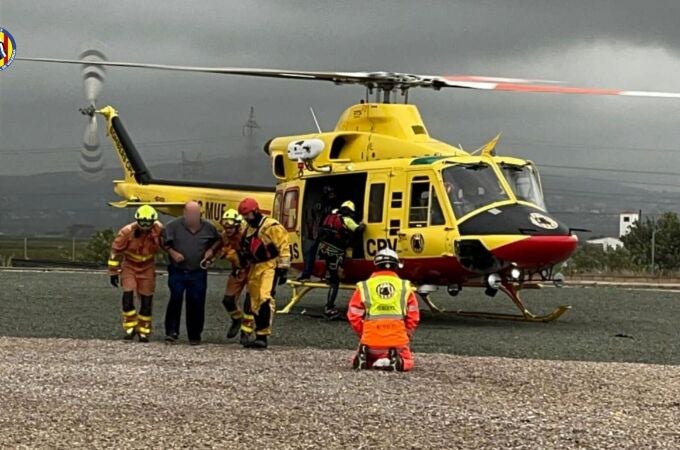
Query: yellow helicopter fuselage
452,216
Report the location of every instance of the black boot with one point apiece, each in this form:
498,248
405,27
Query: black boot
260,343
234,328
396,363
244,340
330,311
361,359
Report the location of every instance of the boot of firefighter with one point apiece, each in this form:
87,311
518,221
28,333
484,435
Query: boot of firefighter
144,318
260,343
247,323
129,316
236,315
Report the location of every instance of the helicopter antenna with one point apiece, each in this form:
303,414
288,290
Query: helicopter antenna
316,122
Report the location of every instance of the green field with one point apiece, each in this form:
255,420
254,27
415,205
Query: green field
605,324
56,248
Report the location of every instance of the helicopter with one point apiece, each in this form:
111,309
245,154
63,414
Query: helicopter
456,218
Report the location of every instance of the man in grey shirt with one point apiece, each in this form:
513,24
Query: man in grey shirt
192,243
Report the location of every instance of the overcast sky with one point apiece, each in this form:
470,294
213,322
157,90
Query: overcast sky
623,44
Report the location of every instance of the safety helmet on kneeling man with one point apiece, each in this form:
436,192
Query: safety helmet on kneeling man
387,259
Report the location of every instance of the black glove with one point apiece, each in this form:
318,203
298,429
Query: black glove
114,280
281,276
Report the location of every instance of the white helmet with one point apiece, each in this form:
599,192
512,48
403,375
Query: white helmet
387,258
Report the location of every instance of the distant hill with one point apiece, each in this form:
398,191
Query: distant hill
50,203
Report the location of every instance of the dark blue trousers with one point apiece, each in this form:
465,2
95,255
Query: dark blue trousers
194,284
310,258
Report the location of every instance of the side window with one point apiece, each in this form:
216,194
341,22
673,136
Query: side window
376,200
420,200
290,209
436,213
276,210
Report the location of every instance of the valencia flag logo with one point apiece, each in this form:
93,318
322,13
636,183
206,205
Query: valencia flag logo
8,48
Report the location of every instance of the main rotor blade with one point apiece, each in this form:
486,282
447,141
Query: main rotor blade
386,80
337,77
456,82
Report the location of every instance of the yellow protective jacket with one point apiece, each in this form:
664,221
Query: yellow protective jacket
267,241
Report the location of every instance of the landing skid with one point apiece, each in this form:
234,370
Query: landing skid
511,291
302,288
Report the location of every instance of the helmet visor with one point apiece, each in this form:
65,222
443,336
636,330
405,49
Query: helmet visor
145,223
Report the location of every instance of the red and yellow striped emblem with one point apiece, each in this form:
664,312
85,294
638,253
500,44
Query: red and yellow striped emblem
8,48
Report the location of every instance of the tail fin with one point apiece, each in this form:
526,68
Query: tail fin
133,166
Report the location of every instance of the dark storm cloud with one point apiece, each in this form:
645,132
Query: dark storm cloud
627,44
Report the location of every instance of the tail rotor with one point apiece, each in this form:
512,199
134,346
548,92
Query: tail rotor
91,158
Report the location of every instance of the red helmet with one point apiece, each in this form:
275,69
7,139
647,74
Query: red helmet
248,205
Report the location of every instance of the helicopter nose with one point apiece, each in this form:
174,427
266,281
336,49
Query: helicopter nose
536,252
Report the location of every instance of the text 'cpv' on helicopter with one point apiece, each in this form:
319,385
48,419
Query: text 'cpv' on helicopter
456,218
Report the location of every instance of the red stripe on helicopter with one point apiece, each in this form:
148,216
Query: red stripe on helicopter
537,251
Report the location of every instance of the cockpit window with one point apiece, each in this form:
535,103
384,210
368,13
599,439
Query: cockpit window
524,183
472,186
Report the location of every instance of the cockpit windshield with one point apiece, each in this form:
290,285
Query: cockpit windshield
524,183
472,186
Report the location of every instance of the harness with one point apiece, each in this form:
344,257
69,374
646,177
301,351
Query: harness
334,232
255,249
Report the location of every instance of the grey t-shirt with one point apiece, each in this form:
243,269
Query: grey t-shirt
192,245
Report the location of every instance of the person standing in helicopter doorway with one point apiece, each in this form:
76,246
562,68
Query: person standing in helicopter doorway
338,230
313,219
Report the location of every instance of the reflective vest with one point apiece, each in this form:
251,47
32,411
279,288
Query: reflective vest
385,301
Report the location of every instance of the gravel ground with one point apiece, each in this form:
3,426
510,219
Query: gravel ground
605,324
59,393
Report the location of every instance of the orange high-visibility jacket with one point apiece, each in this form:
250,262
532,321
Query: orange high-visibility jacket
135,248
384,310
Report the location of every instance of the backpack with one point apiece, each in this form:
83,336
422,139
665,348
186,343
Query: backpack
334,230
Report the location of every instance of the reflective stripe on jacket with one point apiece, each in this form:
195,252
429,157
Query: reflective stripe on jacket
384,310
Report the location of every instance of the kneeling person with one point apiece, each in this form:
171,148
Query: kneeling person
133,264
384,312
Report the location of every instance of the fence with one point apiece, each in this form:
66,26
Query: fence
41,248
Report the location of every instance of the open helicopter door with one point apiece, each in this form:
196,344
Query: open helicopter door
376,214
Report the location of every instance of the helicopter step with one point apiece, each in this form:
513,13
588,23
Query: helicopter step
512,291
302,288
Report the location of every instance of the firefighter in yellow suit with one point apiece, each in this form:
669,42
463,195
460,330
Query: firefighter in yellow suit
132,264
264,244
